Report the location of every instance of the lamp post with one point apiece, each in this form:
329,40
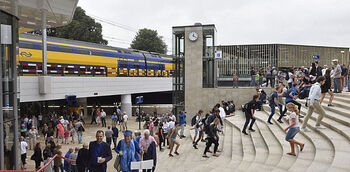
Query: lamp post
342,56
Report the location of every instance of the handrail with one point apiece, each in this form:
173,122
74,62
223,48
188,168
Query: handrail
48,163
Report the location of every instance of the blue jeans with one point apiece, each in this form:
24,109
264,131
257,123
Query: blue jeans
80,136
337,85
273,109
252,81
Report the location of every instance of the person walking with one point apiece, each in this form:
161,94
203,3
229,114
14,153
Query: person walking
291,97
103,118
252,77
336,75
99,153
172,138
182,122
66,163
73,159
293,128
37,156
33,134
114,118
326,88
314,96
83,158
212,138
249,114
94,115
80,130
115,134
195,123
24,147
109,135
58,161
125,121
273,103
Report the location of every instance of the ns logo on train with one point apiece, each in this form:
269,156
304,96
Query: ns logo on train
26,54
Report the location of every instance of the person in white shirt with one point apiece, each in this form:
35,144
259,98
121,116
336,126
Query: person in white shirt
172,117
314,96
125,121
325,67
293,128
103,118
24,147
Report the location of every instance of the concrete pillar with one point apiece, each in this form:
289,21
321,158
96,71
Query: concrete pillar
127,104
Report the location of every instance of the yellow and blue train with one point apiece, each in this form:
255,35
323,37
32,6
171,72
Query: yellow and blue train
77,58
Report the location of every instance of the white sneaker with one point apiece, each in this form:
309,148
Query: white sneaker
320,127
306,130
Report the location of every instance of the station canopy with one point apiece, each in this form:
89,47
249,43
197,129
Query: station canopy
30,12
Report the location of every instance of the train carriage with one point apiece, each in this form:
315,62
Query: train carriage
77,58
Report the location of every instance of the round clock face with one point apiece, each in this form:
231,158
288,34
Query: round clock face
193,36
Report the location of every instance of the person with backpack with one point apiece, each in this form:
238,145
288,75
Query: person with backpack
273,103
290,97
249,110
200,127
212,138
194,123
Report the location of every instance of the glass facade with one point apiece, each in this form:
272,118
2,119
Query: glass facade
9,141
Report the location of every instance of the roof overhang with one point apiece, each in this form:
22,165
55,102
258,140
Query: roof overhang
30,12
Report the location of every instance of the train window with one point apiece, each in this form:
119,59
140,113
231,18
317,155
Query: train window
26,44
51,47
97,52
66,49
83,51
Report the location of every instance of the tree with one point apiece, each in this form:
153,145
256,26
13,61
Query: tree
149,40
82,28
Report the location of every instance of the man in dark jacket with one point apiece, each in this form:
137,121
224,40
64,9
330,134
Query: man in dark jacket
99,153
83,158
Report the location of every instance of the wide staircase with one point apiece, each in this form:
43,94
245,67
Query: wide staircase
265,149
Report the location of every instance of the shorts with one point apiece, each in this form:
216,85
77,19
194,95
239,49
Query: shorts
196,131
292,132
173,140
23,158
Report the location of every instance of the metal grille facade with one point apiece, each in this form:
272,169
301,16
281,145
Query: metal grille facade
238,59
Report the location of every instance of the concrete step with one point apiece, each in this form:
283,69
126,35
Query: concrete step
336,103
237,149
338,134
286,161
220,163
261,150
305,158
249,151
339,98
275,149
324,148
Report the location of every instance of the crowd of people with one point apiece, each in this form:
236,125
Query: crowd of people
299,83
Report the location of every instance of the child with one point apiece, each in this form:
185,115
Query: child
293,128
235,81
66,136
72,133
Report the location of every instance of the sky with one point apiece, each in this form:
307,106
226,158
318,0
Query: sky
307,22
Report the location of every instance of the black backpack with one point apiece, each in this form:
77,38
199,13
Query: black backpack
193,120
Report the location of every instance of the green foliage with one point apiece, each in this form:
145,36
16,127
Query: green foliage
82,28
149,40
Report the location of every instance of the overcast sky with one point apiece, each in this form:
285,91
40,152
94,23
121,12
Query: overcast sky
311,22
